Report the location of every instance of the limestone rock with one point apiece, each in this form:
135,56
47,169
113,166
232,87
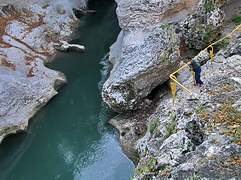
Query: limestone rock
21,97
187,139
6,10
201,27
146,51
198,146
139,65
27,35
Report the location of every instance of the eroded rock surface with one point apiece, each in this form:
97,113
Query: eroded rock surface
197,137
147,48
28,30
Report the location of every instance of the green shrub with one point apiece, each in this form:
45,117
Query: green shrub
208,35
148,167
223,44
165,25
171,35
209,5
165,58
236,19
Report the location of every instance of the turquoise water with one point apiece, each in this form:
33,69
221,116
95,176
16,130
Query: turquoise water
70,137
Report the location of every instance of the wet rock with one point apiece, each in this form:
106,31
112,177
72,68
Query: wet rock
132,126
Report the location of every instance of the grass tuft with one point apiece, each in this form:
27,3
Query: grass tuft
153,125
236,19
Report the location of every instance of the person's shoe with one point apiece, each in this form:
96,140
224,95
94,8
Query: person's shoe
195,84
200,85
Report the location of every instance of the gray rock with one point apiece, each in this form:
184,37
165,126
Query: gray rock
6,10
136,72
201,27
197,148
183,141
147,49
26,45
194,132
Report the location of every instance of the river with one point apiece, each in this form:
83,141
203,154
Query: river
70,137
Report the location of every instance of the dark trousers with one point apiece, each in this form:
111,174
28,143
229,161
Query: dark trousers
198,75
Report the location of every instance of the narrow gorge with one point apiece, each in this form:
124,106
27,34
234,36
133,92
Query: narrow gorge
69,138
114,117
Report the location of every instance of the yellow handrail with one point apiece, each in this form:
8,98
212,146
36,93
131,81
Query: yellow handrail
172,77
211,52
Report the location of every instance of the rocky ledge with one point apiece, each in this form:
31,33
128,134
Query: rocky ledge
198,136
148,47
27,36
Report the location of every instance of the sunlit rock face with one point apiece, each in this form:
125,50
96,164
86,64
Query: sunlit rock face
28,31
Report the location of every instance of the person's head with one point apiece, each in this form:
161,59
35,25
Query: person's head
188,58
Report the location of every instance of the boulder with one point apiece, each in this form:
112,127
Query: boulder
140,65
147,49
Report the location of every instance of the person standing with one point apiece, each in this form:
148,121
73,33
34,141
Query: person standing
197,69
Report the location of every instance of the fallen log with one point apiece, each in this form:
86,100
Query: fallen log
81,12
64,46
